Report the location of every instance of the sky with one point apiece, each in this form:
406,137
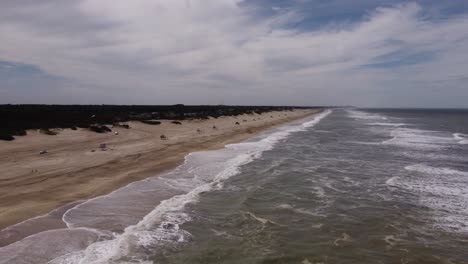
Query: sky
365,53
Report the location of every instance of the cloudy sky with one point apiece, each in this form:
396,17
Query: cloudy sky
367,53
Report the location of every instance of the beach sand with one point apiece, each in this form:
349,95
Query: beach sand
75,168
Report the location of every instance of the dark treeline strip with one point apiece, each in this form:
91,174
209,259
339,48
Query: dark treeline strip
16,119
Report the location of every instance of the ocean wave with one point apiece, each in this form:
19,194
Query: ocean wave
440,188
388,124
344,238
259,219
365,115
418,138
58,242
422,168
432,156
299,210
461,138
445,187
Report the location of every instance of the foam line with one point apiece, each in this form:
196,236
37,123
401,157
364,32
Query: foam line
461,138
365,115
388,124
434,170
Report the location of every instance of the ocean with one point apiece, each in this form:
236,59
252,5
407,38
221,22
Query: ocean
343,186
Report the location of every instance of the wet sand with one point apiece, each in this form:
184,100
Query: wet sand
74,168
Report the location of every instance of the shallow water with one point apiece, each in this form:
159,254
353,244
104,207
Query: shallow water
348,186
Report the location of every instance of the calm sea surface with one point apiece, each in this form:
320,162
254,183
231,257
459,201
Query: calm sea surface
347,186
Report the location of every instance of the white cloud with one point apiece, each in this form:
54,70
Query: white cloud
214,51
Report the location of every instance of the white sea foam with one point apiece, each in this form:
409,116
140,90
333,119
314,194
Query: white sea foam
344,238
461,138
392,181
285,206
408,137
298,210
392,240
162,224
434,156
42,247
458,136
438,182
417,138
319,191
440,188
262,220
434,170
388,124
365,115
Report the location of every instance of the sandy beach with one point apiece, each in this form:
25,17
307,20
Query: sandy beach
75,168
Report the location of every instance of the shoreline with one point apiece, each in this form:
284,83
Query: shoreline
146,159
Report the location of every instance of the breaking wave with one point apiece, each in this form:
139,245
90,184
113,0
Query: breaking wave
364,115
388,124
417,138
461,138
434,170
